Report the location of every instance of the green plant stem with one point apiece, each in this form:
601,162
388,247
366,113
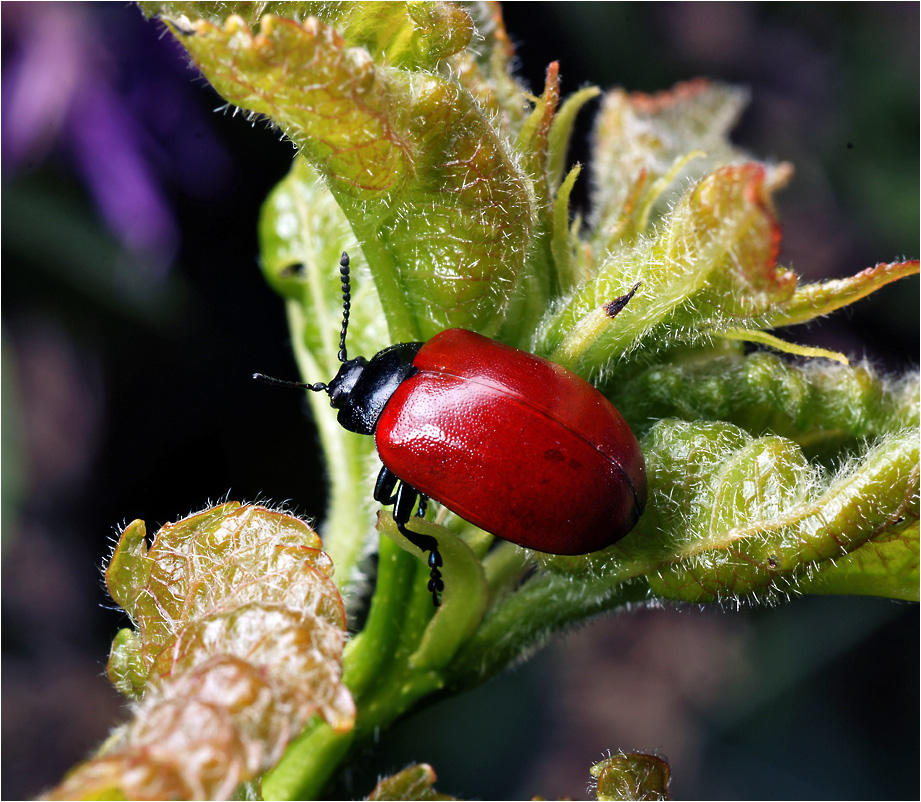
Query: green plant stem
379,639
504,566
308,763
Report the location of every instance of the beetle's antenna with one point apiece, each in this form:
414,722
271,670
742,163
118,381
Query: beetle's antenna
321,387
318,387
346,304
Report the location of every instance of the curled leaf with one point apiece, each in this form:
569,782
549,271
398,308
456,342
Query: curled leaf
823,407
814,300
464,599
237,645
338,111
485,69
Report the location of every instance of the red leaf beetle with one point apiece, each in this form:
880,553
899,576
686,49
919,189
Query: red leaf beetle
511,442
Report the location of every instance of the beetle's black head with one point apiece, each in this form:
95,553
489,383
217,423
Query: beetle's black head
362,389
340,388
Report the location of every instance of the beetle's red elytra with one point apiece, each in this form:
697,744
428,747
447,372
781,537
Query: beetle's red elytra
513,443
517,445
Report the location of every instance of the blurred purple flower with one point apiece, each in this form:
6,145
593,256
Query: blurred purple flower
105,148
74,84
39,80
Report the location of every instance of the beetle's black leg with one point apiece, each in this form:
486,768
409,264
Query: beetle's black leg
402,511
384,487
423,506
405,501
426,543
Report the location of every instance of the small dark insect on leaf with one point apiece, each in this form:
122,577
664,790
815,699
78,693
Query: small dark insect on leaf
611,308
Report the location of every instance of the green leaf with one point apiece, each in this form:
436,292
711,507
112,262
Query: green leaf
770,341
561,132
741,517
129,567
303,232
543,141
564,242
463,602
534,137
886,565
822,298
826,408
428,185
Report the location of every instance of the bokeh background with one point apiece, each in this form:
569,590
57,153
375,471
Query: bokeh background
133,314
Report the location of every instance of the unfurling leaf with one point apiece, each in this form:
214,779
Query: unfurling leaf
414,782
814,300
237,644
632,776
644,145
826,408
714,269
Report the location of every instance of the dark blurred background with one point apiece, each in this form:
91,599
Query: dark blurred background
133,314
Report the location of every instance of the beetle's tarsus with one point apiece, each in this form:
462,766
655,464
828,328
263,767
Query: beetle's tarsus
427,543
